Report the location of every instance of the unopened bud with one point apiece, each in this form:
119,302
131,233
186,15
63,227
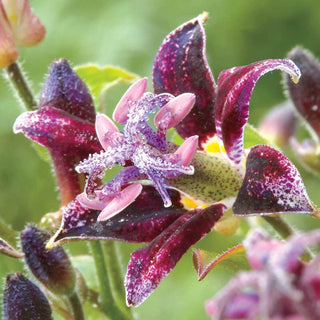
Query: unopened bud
306,94
280,124
64,89
8,49
23,300
51,267
27,29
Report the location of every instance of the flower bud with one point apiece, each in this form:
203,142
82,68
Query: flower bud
64,89
8,49
51,267
306,94
27,29
280,124
23,300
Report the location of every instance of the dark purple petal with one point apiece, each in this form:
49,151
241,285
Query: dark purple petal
234,91
272,184
51,267
181,66
149,265
142,221
59,131
65,90
23,300
8,250
306,94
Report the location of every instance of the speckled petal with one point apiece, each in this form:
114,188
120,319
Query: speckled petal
272,184
306,94
149,265
234,91
181,66
142,221
59,131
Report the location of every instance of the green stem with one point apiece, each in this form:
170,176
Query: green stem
115,275
20,84
281,226
108,304
76,306
285,231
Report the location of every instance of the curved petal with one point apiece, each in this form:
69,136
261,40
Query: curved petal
181,66
149,265
272,184
59,131
142,221
234,91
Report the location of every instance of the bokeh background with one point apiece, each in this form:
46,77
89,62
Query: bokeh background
127,33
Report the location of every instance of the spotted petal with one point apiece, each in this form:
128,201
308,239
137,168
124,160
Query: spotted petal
272,184
234,91
59,131
181,66
149,265
142,221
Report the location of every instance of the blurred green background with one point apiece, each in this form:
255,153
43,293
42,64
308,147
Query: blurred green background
128,34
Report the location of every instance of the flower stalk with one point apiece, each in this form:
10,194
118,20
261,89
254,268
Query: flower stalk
108,304
20,84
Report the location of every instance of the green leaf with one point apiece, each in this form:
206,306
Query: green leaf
233,259
252,137
101,79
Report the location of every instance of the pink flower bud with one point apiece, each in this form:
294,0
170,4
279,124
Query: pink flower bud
27,29
8,50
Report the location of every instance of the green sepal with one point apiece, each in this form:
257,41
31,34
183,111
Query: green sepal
215,178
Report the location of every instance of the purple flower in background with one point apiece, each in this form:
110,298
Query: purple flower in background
280,286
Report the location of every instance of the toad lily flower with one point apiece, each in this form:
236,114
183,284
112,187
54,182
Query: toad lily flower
151,156
280,286
169,195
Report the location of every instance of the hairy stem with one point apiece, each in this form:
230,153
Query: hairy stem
20,84
76,306
115,275
108,304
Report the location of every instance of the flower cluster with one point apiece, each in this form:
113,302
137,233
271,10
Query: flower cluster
197,108
280,286
166,194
